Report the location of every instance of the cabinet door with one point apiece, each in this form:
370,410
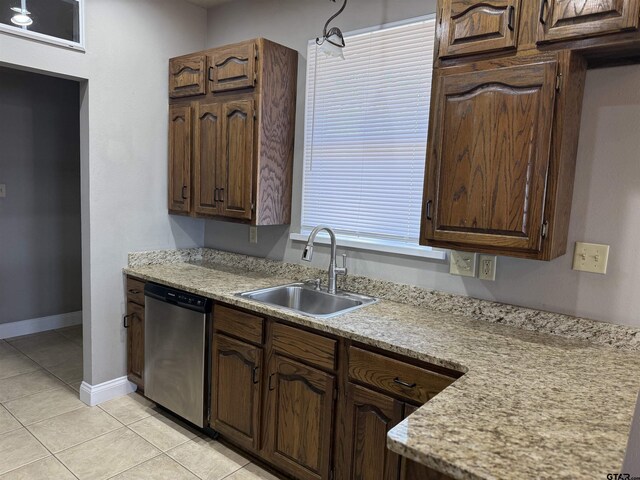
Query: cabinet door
134,322
187,76
411,470
207,144
568,19
370,416
300,410
232,67
235,390
236,167
469,26
179,158
487,165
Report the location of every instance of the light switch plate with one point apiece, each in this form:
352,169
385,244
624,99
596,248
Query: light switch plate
3,190
591,257
462,263
487,267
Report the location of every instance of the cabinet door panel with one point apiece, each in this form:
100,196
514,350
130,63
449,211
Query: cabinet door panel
135,343
301,409
237,159
566,19
187,76
471,27
235,390
370,416
486,184
207,140
179,158
233,67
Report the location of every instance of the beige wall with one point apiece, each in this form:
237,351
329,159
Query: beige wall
123,150
606,199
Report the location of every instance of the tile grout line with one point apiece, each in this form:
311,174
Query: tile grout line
38,393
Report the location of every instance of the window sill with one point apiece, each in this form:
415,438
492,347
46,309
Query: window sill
378,246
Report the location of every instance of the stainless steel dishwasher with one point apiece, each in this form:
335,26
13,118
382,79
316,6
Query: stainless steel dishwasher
175,355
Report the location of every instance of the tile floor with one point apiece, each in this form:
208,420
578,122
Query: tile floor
46,432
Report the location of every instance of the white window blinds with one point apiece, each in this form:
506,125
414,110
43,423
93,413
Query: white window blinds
366,128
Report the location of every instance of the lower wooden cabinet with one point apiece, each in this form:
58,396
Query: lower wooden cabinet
300,411
236,390
134,323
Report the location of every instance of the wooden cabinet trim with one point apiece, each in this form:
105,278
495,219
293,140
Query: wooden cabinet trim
306,346
238,324
135,290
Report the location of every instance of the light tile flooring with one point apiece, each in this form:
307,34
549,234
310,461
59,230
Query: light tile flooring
46,432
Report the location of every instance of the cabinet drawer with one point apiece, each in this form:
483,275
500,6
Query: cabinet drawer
232,67
238,324
309,347
396,377
135,291
187,76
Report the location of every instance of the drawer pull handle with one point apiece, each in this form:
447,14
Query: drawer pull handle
428,210
404,384
270,378
125,321
134,292
255,375
543,9
512,11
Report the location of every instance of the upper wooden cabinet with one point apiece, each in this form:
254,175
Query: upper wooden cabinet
233,67
187,76
241,138
570,19
469,26
501,155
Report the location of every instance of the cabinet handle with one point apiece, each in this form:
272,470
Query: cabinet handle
255,375
543,8
215,195
512,11
125,322
404,384
209,76
428,209
134,292
270,378
184,192
221,199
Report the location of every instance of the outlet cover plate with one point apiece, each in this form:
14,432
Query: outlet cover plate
462,263
487,267
591,257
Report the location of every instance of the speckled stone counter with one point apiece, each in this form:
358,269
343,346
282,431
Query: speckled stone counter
529,405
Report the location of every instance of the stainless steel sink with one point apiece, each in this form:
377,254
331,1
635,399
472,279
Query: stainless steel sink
304,298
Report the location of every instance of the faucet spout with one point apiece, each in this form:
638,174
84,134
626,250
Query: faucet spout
334,271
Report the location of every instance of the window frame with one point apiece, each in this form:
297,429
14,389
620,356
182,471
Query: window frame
372,244
48,39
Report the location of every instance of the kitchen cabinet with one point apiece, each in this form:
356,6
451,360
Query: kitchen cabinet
241,136
571,19
187,76
470,27
501,156
134,323
179,158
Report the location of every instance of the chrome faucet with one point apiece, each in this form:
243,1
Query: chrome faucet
333,270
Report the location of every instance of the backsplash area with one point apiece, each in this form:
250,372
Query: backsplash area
603,333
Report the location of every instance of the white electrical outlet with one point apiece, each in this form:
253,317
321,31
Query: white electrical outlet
3,190
462,263
487,267
591,257
253,234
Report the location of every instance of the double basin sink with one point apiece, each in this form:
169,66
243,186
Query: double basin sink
309,300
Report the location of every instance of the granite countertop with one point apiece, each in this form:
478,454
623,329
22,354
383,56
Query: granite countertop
529,405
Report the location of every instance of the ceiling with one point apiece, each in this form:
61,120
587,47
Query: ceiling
208,3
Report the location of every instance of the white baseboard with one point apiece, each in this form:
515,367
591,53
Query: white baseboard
42,324
95,394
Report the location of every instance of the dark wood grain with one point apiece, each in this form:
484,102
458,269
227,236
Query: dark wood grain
233,67
135,344
187,76
469,26
180,159
238,324
565,19
207,143
300,419
135,291
236,390
388,375
306,346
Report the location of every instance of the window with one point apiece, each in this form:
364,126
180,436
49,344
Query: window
366,135
52,21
